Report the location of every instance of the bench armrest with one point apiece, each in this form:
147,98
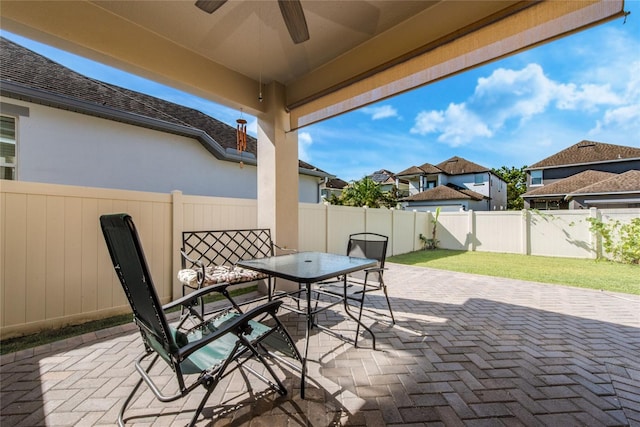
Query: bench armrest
283,248
200,271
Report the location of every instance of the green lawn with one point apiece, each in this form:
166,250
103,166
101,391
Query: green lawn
583,273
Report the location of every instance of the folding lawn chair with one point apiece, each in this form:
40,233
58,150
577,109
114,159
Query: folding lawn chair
209,349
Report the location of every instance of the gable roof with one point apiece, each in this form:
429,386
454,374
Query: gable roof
443,192
428,168
336,183
585,152
570,184
413,170
383,176
453,166
31,77
627,182
459,166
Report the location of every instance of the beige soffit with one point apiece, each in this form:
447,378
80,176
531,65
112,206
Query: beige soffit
542,22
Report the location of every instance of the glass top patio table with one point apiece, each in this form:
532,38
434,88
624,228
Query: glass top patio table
308,268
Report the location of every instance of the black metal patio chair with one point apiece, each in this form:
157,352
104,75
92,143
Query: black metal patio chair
360,283
198,351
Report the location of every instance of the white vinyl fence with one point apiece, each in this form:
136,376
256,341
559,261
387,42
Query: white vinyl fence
55,269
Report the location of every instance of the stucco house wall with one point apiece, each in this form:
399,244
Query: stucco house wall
63,147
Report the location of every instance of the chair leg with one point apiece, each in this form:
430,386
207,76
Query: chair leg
360,320
386,295
278,386
126,403
133,392
209,389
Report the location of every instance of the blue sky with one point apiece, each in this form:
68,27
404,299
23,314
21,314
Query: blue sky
512,112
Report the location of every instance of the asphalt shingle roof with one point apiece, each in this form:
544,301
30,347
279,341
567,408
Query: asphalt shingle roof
413,170
383,176
619,183
430,169
444,192
459,166
336,183
570,184
588,152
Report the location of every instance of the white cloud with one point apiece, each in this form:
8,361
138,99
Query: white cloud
381,112
528,92
517,95
625,118
456,125
304,143
586,97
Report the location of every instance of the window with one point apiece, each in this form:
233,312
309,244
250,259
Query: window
7,147
431,184
536,177
478,179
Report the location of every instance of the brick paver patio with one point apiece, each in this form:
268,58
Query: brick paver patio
466,350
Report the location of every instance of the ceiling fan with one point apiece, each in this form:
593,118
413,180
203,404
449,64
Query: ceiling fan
291,10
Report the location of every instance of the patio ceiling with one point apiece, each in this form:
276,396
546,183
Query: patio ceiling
359,52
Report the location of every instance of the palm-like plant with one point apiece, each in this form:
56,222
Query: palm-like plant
365,192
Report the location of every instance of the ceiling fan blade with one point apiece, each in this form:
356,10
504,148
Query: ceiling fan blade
293,16
210,6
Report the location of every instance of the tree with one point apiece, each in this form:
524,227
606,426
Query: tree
366,192
516,179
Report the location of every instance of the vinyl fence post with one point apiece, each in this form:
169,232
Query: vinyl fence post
596,239
471,231
525,232
177,227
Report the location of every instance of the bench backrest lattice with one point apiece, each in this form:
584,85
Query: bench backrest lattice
227,247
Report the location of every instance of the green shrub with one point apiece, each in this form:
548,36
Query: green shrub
622,241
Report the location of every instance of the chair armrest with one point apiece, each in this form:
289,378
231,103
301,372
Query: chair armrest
192,297
236,326
195,262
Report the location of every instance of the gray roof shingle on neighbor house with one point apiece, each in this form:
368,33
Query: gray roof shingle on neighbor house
570,184
443,192
627,182
428,168
413,170
42,77
383,176
585,152
336,183
459,166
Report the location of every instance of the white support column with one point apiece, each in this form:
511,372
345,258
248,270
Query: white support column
277,170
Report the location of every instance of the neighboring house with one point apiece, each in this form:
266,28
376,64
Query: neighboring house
587,174
58,126
455,184
332,187
388,180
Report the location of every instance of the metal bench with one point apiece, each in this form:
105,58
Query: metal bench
209,257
